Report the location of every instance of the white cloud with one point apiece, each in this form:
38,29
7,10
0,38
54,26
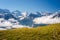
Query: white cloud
1,19
13,21
9,24
46,20
18,26
6,23
3,29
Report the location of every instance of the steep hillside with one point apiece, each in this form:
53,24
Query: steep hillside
50,32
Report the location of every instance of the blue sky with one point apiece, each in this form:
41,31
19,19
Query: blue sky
31,5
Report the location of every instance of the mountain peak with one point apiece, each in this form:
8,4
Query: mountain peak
25,13
56,14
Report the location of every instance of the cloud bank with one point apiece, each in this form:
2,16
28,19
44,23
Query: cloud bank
47,20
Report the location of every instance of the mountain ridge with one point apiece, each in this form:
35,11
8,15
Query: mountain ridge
25,19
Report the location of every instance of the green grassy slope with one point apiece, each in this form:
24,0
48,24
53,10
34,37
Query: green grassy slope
50,32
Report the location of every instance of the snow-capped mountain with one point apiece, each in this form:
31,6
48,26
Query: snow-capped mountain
16,13
27,19
17,19
46,13
56,15
34,15
24,15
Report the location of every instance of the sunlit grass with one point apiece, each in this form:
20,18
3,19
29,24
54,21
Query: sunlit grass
50,32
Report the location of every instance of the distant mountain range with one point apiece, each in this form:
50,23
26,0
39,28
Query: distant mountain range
18,19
